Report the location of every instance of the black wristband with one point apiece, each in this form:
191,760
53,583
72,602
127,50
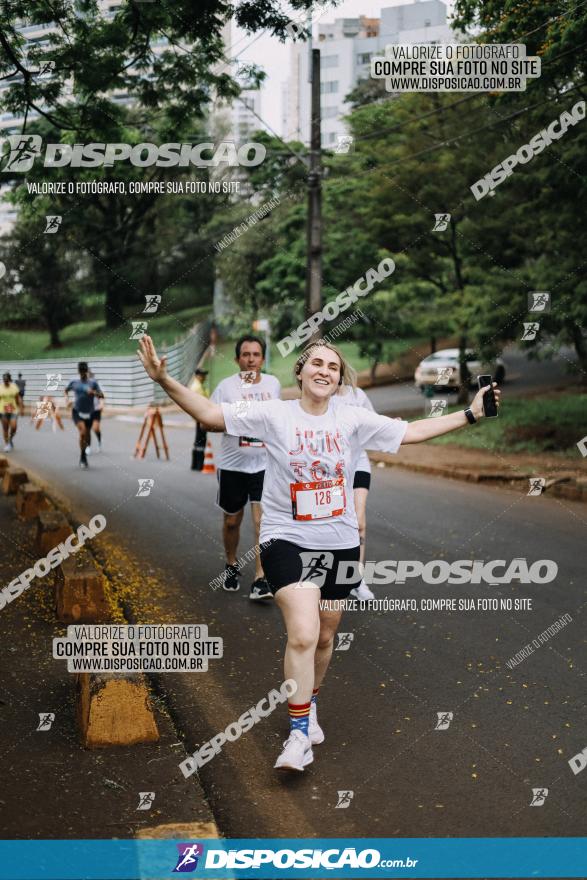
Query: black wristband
470,417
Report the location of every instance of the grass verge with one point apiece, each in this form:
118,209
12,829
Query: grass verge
547,424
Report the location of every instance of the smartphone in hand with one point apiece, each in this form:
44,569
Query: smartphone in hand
489,402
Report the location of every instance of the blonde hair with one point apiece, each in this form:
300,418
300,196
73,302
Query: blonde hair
348,375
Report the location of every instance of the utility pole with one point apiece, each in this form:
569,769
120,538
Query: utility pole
314,228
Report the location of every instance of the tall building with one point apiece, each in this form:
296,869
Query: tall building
347,46
232,122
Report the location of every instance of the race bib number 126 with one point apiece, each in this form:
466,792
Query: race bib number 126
318,500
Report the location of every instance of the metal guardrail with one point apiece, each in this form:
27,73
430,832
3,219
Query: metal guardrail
122,379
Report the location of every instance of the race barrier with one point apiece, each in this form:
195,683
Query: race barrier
80,593
111,709
13,478
52,530
30,501
114,710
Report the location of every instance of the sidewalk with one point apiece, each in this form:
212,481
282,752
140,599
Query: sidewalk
52,787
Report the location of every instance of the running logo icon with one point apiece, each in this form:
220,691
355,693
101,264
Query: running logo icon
539,301
441,222
152,303
344,641
539,795
537,484
344,145
344,799
44,409
52,223
139,328
22,152
315,567
189,855
46,720
53,380
443,374
145,487
444,719
437,408
146,799
530,331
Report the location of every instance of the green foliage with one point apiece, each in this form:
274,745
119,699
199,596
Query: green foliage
545,424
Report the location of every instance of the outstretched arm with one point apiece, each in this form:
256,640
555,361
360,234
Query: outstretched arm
195,405
426,429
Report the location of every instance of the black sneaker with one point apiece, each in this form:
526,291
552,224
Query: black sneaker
83,462
231,582
260,590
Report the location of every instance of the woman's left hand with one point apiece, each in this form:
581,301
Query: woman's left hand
477,402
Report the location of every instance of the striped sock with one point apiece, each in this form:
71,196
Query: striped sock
299,716
315,695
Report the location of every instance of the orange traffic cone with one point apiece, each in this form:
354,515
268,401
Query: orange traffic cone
209,466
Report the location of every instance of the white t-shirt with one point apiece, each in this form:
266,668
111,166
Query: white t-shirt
244,452
356,397
303,448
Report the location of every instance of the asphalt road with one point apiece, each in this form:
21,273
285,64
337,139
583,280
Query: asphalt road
512,730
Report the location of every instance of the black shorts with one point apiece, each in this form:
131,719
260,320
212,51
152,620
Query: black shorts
77,419
97,415
362,480
235,488
285,563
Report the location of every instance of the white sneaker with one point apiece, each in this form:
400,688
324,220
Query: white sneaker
362,592
296,754
315,732
7,448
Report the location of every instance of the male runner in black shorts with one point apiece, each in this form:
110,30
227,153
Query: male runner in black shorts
85,390
241,463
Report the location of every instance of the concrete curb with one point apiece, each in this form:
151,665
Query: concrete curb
108,705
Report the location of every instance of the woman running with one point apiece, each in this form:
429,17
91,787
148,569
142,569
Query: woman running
308,527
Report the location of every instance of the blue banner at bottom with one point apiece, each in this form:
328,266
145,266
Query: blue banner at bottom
413,857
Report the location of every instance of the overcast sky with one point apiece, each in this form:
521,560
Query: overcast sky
273,56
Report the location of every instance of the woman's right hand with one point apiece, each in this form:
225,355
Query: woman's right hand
155,367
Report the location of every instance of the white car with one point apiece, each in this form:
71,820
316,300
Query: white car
442,369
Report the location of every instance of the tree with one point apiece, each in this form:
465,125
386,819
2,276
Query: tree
169,60
41,272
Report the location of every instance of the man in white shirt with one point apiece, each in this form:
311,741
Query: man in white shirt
241,462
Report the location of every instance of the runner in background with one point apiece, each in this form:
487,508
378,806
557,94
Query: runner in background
199,447
47,409
96,419
353,396
84,391
241,462
21,385
10,406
